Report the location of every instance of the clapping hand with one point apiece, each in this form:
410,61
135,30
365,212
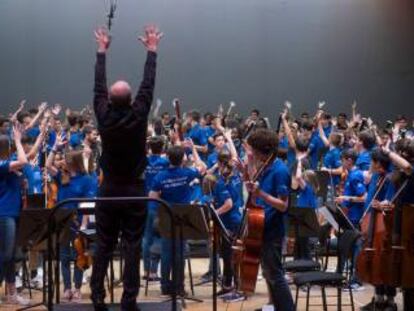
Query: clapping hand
151,38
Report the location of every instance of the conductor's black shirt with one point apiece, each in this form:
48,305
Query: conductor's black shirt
123,129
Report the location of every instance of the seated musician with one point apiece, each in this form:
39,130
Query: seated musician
353,198
380,165
173,185
272,192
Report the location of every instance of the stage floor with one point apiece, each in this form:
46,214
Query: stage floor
204,292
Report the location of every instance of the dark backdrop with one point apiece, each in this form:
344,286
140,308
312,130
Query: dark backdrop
256,52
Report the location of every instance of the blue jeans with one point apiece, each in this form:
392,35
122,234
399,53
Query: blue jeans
8,229
166,265
150,237
68,254
273,272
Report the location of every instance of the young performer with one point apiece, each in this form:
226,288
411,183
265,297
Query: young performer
173,186
10,206
157,162
380,165
353,199
272,192
72,182
306,184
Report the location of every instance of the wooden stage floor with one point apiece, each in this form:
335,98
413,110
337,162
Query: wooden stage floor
204,293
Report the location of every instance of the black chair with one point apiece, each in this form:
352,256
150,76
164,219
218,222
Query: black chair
325,279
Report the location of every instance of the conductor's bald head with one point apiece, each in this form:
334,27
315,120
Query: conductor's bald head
120,93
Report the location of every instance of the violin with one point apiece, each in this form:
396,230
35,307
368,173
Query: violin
178,122
83,259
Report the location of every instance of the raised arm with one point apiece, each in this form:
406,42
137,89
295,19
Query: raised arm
42,107
288,131
100,100
143,99
21,155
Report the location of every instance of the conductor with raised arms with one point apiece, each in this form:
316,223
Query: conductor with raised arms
122,123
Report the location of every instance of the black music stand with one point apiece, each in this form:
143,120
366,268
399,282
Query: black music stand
304,223
218,229
192,225
36,200
35,228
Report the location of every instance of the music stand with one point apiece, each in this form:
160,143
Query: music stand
36,200
192,225
34,229
219,229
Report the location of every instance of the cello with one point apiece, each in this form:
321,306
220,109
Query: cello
374,227
247,245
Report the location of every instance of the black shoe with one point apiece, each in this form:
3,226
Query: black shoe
390,306
373,306
100,306
133,307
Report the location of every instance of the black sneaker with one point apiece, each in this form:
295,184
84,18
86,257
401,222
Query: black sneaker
234,297
390,306
373,306
206,278
224,291
100,306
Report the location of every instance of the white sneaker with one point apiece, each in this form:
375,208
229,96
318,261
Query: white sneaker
67,295
18,282
268,308
37,282
17,300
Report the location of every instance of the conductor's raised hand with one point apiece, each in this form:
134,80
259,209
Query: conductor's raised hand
102,39
151,38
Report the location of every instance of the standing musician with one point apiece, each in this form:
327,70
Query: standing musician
122,124
379,193
272,192
353,198
405,163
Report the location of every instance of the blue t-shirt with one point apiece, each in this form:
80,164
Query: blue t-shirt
306,198
332,160
33,132
314,147
75,139
386,192
354,186
33,175
79,186
155,164
198,135
222,192
174,184
275,181
212,159
363,161
10,191
209,132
